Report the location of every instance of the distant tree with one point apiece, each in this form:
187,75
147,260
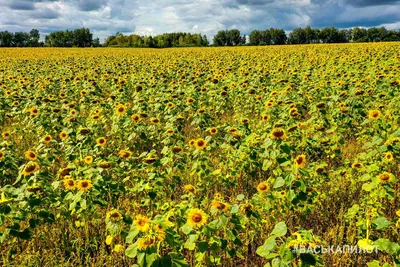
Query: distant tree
255,37
278,36
6,39
34,38
20,39
220,39
83,37
297,36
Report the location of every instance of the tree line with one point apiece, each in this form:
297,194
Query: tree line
84,38
176,39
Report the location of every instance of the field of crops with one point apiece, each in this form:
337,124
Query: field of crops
200,156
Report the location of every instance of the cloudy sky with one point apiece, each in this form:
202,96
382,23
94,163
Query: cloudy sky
149,17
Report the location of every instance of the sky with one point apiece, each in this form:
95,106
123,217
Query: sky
151,17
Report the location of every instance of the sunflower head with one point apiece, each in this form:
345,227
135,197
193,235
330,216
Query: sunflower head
278,133
120,109
218,205
63,135
34,111
213,130
200,144
101,141
69,183
196,218
374,114
142,223
84,185
47,139
1,155
125,154
6,134
263,187
389,156
30,168
155,120
135,117
88,160
189,189
300,161
385,177
30,155
114,216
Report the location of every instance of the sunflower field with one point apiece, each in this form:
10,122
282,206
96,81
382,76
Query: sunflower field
200,156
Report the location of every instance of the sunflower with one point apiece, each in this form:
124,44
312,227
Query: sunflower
118,248
190,100
84,131
34,111
357,165
63,135
114,216
170,132
84,185
155,120
170,105
145,242
69,183
196,218
263,187
104,164
125,154
385,177
30,155
200,144
278,133
30,168
213,130
265,117
6,134
282,193
142,223
47,139
245,121
88,160
101,141
374,114
300,161
218,205
120,110
73,112
1,155
135,117
177,149
192,143
389,156
190,189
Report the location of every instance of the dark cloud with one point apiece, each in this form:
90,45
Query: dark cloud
91,5
22,5
364,3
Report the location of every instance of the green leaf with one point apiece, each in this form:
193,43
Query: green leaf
131,251
133,232
202,246
190,244
280,229
177,260
267,247
186,229
387,246
308,258
240,197
381,223
279,182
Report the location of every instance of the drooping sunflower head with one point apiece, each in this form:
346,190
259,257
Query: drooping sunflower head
125,154
30,155
263,187
155,120
142,223
245,121
145,242
101,141
218,205
84,185
196,218
189,189
300,161
30,168
114,216
170,131
357,165
200,144
374,114
278,133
